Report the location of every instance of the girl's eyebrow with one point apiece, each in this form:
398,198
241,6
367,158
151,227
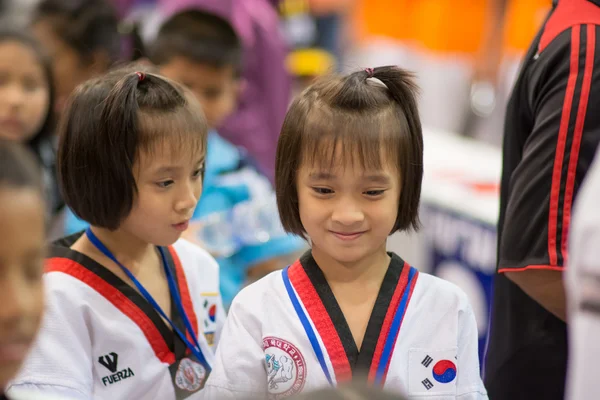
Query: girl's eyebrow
321,176
381,178
167,169
171,169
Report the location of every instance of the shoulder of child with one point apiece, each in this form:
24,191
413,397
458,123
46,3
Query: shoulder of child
186,249
262,292
198,263
444,291
66,288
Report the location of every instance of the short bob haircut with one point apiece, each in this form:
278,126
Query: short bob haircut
111,119
371,121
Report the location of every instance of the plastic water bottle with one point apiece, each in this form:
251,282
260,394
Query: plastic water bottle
249,223
216,235
256,222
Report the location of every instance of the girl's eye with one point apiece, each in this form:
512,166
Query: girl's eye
30,85
320,190
33,272
198,172
165,184
374,192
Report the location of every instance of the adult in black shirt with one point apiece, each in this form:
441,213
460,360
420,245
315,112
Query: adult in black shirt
552,129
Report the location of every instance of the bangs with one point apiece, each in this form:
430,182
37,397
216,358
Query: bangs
182,132
334,137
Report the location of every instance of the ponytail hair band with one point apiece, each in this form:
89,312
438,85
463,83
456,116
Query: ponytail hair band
370,72
141,75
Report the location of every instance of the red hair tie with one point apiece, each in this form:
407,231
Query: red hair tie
141,75
370,72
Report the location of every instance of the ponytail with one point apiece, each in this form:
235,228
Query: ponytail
403,89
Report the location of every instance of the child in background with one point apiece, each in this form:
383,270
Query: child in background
348,175
26,101
82,39
25,88
203,52
22,250
262,105
133,312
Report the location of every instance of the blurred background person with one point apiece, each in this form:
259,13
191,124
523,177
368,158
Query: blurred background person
551,135
266,84
582,284
26,101
22,251
82,39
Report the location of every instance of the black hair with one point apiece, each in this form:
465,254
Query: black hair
86,26
362,116
47,128
109,120
18,167
200,36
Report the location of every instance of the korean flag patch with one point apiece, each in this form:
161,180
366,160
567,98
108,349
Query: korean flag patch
432,372
210,316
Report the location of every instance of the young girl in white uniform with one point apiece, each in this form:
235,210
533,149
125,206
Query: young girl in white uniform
348,175
133,312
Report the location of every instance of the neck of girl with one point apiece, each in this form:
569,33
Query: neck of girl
128,249
367,271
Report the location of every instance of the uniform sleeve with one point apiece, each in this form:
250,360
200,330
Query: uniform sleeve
562,90
239,370
582,280
469,385
60,361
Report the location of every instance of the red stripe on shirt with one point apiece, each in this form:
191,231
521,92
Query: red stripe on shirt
529,267
579,124
387,322
184,293
322,321
560,146
410,293
118,299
